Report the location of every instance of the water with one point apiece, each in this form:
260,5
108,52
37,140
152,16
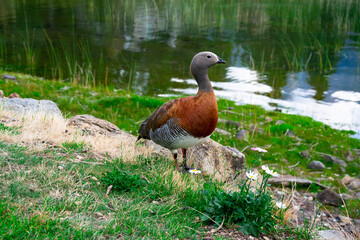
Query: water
300,56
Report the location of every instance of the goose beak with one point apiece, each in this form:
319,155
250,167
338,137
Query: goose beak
220,60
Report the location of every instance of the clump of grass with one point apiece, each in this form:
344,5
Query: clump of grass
9,130
74,146
122,180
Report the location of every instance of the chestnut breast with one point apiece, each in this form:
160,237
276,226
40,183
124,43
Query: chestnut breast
198,114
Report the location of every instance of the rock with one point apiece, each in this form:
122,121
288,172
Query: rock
242,135
332,159
229,123
9,77
289,133
355,184
28,105
223,132
327,158
329,197
14,95
330,235
346,179
316,165
215,159
212,158
231,108
279,122
268,119
92,125
340,162
305,154
349,156
287,180
1,94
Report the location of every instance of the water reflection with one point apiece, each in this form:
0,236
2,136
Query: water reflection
302,55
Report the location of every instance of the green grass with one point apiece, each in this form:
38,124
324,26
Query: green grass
127,110
39,200
146,201
9,130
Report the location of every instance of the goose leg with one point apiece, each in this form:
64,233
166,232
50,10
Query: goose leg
187,168
175,160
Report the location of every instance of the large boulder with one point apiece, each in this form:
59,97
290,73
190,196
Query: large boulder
93,125
211,157
29,105
329,197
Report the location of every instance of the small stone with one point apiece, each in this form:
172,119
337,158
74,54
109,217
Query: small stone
14,95
155,202
268,119
60,167
231,108
242,135
349,156
9,77
289,133
279,122
340,162
223,132
347,179
331,179
329,197
327,158
305,154
316,165
229,123
355,184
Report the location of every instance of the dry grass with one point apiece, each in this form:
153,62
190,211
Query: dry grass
38,131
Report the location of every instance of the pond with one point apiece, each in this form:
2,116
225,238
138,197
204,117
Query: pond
302,57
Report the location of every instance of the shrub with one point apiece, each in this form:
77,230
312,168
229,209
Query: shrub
251,208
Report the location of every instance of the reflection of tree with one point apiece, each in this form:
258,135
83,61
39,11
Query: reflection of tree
139,37
320,84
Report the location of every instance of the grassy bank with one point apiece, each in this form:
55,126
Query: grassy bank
46,193
128,110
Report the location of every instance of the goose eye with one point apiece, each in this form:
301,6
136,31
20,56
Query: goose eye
208,56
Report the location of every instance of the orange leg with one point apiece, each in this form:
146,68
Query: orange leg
187,168
175,161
